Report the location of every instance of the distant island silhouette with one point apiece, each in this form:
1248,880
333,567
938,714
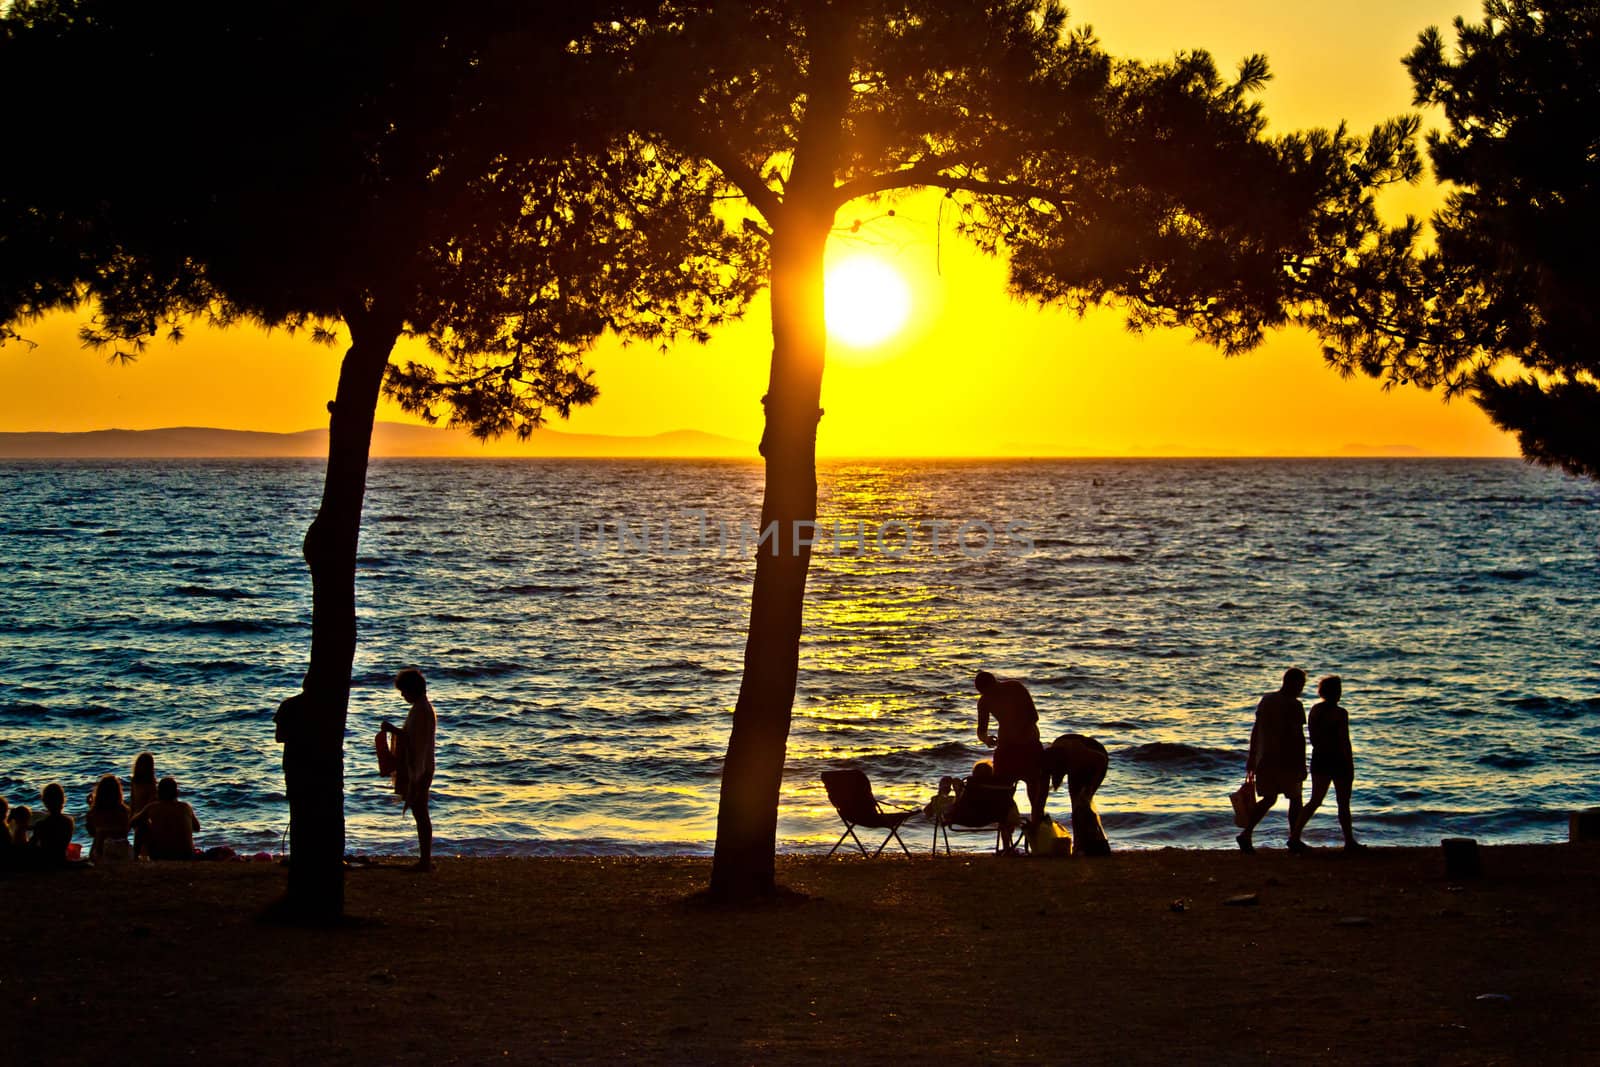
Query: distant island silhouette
389,440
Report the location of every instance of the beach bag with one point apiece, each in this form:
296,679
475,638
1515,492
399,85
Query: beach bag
1244,802
1049,838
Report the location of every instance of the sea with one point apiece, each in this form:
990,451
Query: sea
582,625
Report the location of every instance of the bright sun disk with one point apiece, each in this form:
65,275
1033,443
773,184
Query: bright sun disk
867,301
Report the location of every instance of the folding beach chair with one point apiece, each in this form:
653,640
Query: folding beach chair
979,807
851,796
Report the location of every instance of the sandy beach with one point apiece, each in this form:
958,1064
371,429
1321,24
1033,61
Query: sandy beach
1139,957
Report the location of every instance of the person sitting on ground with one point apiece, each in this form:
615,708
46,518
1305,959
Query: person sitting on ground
53,833
18,821
414,747
15,853
981,799
1082,762
108,821
1332,760
169,824
141,793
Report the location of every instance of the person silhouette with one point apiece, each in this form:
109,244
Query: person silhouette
53,833
1080,761
414,749
18,821
141,794
1332,760
168,824
1018,755
980,799
108,821
1277,761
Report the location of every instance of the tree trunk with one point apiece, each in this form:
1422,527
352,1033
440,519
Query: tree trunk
747,815
314,753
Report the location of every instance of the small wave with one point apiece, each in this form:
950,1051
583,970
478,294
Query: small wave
1117,557
184,552
678,666
920,763
1556,707
220,666
1511,574
493,669
226,626
1179,755
86,711
224,593
22,712
536,589
1506,761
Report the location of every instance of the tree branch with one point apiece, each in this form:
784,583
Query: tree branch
742,175
931,174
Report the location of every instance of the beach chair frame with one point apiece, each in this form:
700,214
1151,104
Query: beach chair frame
850,792
1003,842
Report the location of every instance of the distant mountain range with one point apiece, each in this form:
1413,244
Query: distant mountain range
389,439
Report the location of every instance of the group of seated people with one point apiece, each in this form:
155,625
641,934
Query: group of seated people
162,826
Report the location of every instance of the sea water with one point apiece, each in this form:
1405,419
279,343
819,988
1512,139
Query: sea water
582,627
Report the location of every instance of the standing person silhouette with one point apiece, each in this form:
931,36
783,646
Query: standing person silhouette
1332,760
414,744
1277,762
1018,756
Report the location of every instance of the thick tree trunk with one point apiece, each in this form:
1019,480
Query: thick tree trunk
752,775
747,816
314,752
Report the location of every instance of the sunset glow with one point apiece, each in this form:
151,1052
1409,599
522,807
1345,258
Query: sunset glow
868,301
929,324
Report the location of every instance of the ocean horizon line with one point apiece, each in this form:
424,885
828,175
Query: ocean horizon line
410,441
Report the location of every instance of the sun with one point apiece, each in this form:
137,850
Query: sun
867,301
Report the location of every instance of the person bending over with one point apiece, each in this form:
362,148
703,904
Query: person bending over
1018,756
1082,762
168,824
414,746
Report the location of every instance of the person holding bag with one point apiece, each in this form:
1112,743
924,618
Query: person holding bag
1277,762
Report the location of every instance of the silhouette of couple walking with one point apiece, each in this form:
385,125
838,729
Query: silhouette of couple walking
1277,763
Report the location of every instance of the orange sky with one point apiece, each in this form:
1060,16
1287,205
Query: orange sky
972,374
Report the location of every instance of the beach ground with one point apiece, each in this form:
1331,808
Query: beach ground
1138,957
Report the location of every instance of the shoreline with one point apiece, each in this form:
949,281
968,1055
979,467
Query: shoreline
1136,957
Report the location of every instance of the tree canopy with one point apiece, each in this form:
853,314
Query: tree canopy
1500,306
346,163
179,170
